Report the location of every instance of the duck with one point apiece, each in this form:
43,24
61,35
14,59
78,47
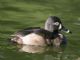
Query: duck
37,36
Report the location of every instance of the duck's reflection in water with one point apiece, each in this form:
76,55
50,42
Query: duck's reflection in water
38,49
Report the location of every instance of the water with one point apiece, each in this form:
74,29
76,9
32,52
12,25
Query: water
15,15
25,52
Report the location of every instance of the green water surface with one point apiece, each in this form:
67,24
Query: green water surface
19,14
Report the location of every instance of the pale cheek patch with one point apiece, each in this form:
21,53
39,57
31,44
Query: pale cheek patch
60,26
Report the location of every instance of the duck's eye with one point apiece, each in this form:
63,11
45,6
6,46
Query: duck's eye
56,23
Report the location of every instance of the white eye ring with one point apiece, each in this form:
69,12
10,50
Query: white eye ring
56,23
